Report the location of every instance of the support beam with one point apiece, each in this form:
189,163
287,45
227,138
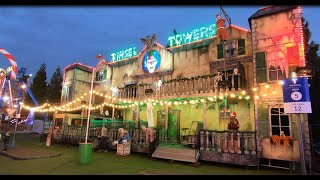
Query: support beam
204,113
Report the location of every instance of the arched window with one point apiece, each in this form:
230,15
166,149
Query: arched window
276,65
279,121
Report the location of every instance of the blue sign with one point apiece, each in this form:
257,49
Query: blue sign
151,61
296,95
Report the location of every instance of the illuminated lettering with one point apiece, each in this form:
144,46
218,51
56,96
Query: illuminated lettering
124,54
203,32
178,39
113,57
191,36
196,35
187,37
120,55
171,40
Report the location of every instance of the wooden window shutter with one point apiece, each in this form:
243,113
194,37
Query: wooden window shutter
220,51
293,55
104,74
241,47
97,76
261,67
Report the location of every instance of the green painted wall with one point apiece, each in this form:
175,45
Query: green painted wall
189,113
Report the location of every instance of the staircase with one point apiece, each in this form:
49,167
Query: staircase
178,154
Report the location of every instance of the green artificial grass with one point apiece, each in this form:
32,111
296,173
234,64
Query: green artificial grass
109,164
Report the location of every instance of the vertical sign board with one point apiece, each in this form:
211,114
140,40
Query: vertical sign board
296,99
296,95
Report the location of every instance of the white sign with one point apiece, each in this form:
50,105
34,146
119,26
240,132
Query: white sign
296,95
297,107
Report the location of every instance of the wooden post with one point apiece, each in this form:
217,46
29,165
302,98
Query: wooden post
219,142
201,140
207,141
239,145
204,113
213,141
137,115
232,147
167,115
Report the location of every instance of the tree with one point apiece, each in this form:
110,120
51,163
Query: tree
311,50
38,87
313,61
55,86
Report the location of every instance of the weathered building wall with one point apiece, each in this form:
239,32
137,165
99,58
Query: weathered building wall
276,42
135,71
191,63
80,82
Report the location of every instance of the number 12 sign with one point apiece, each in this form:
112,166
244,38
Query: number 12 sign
296,95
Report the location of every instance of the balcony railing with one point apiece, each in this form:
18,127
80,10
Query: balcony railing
234,142
187,86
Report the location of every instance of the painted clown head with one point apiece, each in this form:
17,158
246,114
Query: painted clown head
151,63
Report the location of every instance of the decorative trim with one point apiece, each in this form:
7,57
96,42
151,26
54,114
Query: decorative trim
155,74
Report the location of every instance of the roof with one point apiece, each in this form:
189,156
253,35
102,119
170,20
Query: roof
268,10
79,66
197,44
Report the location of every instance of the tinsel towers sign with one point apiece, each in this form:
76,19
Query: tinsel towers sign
124,54
191,36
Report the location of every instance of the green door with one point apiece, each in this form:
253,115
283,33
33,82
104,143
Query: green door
173,132
174,125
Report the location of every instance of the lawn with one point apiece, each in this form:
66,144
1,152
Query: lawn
109,164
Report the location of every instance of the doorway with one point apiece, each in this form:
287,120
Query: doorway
173,133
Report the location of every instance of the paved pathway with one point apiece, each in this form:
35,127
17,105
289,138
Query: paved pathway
28,153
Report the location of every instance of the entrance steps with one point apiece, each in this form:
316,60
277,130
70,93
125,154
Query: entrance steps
178,154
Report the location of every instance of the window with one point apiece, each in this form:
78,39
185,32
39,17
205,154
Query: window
279,121
67,93
224,113
261,69
241,47
101,75
276,65
58,123
77,122
231,48
220,51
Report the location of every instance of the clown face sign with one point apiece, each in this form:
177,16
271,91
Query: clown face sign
151,61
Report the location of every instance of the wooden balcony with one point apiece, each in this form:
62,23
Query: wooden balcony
204,85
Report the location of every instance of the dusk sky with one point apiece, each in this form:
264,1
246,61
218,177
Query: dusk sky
60,36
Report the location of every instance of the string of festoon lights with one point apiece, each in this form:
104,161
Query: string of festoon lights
267,88
123,103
